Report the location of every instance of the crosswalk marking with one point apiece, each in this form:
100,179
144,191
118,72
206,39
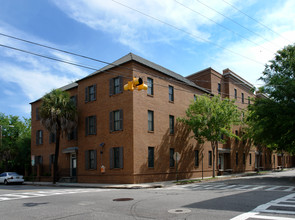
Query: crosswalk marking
270,208
232,187
26,195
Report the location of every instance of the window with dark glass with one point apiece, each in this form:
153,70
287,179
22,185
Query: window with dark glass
90,160
151,157
116,120
171,124
250,159
73,99
37,114
210,158
90,93
150,120
90,128
196,158
244,158
171,94
243,98
39,137
52,137
219,88
116,85
73,135
237,158
150,84
116,157
237,133
172,161
236,94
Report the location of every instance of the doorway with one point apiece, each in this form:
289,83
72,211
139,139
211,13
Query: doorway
73,165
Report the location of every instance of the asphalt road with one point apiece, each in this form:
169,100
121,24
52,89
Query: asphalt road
269,196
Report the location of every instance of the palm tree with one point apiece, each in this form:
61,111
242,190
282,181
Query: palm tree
58,115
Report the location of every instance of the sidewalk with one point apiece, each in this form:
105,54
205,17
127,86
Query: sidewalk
137,186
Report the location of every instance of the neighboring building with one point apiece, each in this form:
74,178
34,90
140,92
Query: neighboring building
135,134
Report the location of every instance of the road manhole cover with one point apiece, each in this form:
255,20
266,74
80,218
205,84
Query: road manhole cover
179,211
122,199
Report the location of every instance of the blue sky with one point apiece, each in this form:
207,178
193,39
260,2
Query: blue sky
183,36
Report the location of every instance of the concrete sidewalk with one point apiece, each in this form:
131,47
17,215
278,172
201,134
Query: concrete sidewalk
140,185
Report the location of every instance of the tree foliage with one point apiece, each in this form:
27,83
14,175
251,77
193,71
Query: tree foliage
15,146
274,116
210,118
58,115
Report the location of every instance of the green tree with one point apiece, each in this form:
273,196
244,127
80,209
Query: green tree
210,118
15,143
274,115
58,115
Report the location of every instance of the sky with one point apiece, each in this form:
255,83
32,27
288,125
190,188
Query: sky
184,36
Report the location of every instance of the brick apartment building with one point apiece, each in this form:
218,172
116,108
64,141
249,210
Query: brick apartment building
135,134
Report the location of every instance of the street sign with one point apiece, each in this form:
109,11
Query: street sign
176,156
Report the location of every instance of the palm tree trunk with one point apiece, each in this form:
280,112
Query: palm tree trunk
55,165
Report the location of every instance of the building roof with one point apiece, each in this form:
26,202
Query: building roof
228,72
133,57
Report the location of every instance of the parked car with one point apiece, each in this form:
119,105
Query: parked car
11,177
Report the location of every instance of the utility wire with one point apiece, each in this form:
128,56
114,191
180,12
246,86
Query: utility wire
188,33
224,27
263,25
235,22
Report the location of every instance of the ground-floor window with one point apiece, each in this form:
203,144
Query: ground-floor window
172,162
151,157
116,157
210,158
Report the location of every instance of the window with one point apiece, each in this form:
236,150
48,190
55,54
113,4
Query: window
237,158
116,120
150,84
116,85
250,159
52,137
236,94
171,124
51,161
90,128
249,101
116,157
274,159
219,88
73,99
171,161
237,134
243,98
150,120
39,137
244,158
73,135
151,157
196,158
38,160
210,158
90,160
171,94
90,93
37,114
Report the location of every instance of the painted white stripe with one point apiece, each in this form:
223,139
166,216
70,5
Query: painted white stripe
273,188
257,187
245,187
228,187
289,189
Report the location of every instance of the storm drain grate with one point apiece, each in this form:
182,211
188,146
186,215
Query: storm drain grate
179,211
122,199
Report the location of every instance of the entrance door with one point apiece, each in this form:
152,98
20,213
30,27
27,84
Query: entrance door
73,165
221,162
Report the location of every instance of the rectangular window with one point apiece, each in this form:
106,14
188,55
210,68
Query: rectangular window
236,94
73,135
90,128
171,94
244,158
171,124
116,157
116,120
219,88
73,99
52,137
210,158
172,162
90,93
39,137
249,100
150,84
274,159
38,160
90,160
196,158
250,159
37,114
237,134
151,157
237,158
116,85
243,98
150,120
